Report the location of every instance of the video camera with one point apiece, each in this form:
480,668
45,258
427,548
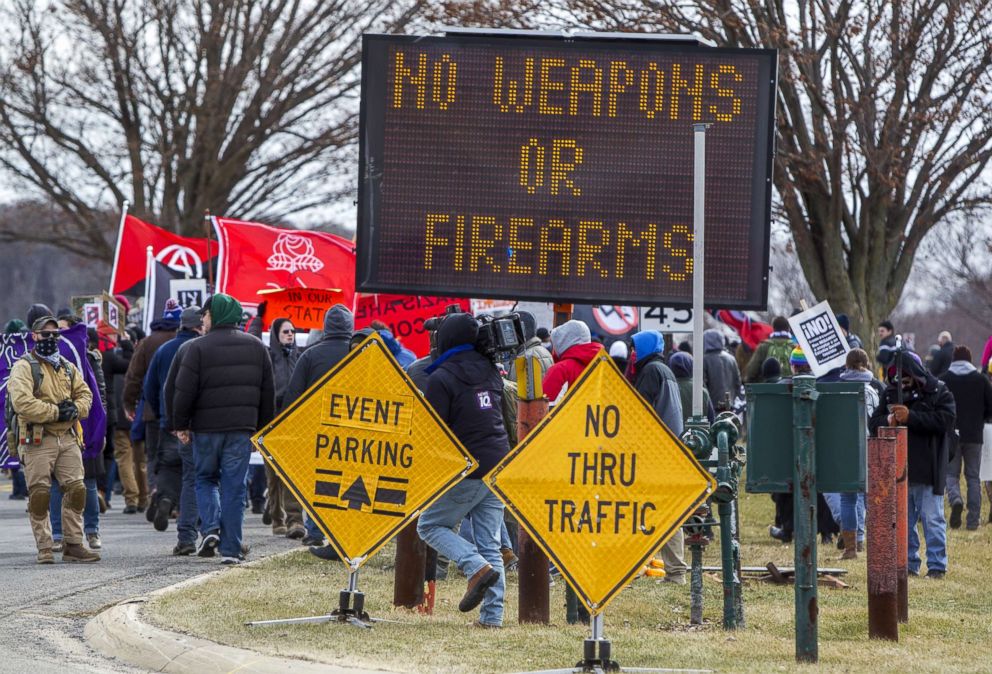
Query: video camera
499,336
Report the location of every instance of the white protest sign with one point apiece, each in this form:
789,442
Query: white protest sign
821,339
666,319
188,292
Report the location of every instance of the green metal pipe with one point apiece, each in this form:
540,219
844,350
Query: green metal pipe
725,509
804,534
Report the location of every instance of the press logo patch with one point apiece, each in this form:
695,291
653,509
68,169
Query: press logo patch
485,400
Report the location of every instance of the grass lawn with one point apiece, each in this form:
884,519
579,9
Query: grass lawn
950,627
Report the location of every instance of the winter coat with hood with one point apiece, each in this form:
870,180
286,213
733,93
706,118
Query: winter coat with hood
972,399
466,391
931,418
681,366
720,373
318,359
158,373
223,380
574,350
284,359
655,381
163,330
404,356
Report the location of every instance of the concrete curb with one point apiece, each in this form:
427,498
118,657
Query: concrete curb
120,633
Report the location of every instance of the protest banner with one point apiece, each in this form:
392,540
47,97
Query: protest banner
821,339
305,307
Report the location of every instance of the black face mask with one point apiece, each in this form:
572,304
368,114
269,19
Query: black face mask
47,347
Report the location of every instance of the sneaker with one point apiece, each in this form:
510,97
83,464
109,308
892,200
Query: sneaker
677,578
481,580
934,574
208,544
956,511
45,556
57,546
183,549
296,533
510,560
93,540
309,540
162,511
485,626
230,561
74,552
130,510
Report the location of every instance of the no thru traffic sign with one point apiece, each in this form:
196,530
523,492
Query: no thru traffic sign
363,451
601,484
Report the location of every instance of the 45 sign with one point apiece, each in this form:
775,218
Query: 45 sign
666,319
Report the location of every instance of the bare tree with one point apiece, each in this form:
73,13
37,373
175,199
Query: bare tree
243,107
882,121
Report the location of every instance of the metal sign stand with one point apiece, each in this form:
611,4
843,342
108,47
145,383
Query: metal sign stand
350,610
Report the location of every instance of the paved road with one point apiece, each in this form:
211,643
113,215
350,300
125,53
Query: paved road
43,609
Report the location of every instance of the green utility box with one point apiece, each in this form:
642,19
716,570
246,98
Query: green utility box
839,432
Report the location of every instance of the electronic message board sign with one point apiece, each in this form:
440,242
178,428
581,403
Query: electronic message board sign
562,169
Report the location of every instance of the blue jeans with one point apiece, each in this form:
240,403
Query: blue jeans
927,507
852,513
221,475
437,527
186,524
833,502
91,513
256,485
466,531
313,531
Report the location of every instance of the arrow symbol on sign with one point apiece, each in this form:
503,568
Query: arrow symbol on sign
357,495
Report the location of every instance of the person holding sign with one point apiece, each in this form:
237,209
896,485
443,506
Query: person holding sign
466,391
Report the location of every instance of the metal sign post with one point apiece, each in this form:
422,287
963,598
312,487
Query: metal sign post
698,250
804,492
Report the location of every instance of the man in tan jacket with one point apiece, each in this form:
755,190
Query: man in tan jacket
50,396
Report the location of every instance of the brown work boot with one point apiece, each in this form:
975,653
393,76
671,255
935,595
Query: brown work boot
278,530
482,580
74,552
45,556
510,560
850,545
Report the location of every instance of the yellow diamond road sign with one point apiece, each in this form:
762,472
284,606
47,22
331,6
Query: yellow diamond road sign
601,484
363,451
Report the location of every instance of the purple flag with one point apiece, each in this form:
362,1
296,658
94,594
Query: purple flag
72,345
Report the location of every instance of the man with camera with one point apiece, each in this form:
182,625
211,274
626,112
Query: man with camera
466,390
49,396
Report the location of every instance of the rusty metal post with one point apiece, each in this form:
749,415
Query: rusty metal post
408,574
883,549
534,599
804,497
902,514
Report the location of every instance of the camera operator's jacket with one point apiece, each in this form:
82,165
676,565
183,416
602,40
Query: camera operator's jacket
466,391
67,383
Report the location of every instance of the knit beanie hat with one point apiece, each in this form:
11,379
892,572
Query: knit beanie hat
797,358
172,309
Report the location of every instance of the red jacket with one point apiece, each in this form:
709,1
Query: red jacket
568,368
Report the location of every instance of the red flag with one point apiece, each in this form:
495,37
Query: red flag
182,255
752,332
257,257
405,316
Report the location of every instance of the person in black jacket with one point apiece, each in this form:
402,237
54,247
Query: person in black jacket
223,393
466,391
927,410
315,362
973,401
115,363
944,356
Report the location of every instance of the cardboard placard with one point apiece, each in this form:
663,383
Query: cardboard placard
305,307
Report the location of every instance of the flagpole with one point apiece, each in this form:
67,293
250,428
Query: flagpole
117,248
208,225
149,287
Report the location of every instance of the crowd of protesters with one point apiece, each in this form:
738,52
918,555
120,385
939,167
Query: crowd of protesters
183,401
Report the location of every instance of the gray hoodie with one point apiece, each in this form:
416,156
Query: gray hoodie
721,376
567,335
318,359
